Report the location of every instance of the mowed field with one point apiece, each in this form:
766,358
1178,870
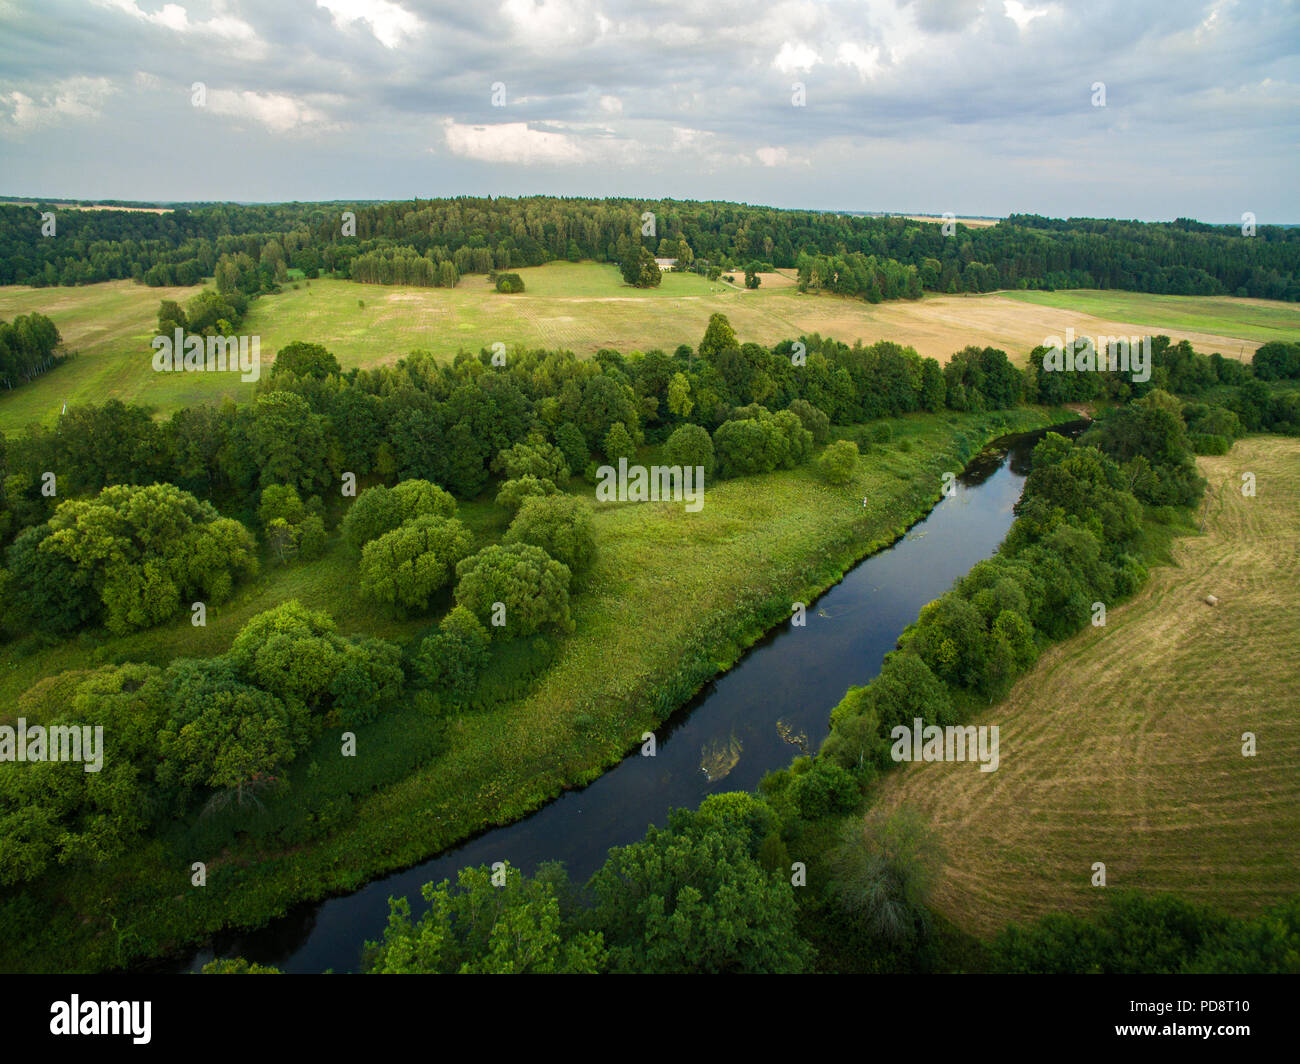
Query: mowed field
1124,744
580,306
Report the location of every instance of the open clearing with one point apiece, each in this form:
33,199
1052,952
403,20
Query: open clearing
1124,744
583,307
56,206
974,223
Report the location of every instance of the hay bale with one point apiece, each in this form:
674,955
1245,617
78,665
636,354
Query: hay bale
1210,600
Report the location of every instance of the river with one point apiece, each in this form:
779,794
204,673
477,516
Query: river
794,675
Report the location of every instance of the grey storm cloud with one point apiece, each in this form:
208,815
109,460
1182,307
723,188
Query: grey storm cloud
975,106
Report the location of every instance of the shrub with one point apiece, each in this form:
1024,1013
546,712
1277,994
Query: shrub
514,492
146,550
544,461
691,446
514,589
618,443
561,525
380,510
884,871
291,651
570,440
761,444
451,658
838,462
1205,443
813,418
827,789
405,567
368,680
311,538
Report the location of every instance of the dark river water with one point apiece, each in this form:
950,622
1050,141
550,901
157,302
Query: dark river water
793,675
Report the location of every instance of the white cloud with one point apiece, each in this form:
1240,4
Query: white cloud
511,142
390,23
176,18
70,98
611,104
548,23
794,57
1022,14
685,139
779,157
866,61
276,111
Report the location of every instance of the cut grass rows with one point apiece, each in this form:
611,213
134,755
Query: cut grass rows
1124,744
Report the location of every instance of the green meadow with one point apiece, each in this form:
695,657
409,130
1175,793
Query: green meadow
581,307
1261,320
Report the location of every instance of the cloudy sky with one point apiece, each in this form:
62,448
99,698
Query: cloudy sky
972,106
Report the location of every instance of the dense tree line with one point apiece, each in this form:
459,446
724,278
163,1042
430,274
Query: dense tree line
450,424
862,275
215,731
875,257
1158,934
695,896
698,897
404,265
1233,397
1074,543
29,345
711,893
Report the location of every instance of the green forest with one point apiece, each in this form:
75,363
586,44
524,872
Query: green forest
436,241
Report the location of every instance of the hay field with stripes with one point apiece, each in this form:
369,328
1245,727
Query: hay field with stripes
1124,744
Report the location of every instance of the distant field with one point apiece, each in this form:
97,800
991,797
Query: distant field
1261,320
1124,744
582,307
90,207
974,223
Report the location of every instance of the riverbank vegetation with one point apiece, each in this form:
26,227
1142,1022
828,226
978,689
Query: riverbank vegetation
377,616
860,873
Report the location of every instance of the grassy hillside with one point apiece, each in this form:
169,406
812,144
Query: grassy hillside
1124,744
582,307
